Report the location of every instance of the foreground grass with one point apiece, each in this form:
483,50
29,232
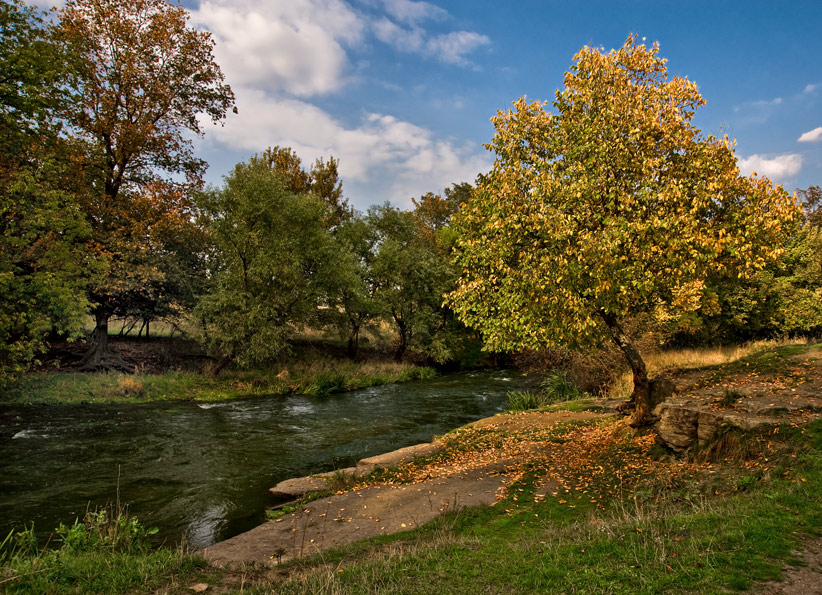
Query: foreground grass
108,552
706,526
305,377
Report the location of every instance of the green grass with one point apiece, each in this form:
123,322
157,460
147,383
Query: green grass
108,387
676,540
108,552
556,388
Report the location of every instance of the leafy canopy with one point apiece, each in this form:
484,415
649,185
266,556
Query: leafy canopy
615,204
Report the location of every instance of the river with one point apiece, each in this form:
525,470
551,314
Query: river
200,472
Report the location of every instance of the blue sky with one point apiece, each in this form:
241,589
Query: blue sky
401,91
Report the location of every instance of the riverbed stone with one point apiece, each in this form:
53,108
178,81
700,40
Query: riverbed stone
403,455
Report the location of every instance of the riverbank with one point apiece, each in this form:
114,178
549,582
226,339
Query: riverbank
587,507
310,377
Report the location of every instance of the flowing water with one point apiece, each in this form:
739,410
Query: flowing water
201,471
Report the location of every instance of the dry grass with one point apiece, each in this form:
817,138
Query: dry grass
702,357
129,385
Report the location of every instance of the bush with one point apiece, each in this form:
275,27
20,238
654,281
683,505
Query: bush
556,388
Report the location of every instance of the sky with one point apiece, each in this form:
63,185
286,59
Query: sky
402,91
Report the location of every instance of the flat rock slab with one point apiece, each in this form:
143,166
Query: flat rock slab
403,455
300,486
351,516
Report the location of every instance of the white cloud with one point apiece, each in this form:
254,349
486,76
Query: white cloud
757,112
812,136
812,88
406,40
379,147
408,11
295,46
776,168
450,48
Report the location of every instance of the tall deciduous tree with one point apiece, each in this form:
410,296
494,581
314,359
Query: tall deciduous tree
322,180
613,205
144,82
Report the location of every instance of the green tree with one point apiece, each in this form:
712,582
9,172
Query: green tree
351,287
323,180
143,82
411,276
43,258
613,205
267,265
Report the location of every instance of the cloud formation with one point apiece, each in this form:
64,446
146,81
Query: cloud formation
757,112
379,146
777,168
296,47
450,48
811,136
408,11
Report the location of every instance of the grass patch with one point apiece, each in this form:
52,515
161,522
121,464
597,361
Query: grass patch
313,377
764,356
555,388
108,552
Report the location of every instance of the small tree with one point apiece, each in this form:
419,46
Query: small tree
613,206
411,275
269,251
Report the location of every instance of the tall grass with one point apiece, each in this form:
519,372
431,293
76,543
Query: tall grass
107,552
695,358
556,388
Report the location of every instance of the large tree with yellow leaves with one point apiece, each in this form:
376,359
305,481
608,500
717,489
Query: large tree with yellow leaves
612,205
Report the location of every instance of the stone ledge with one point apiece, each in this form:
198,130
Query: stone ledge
403,455
298,487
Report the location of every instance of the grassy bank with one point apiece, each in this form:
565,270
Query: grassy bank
596,508
303,377
624,519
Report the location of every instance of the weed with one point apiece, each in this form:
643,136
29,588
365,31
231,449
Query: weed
106,552
557,388
522,400
730,397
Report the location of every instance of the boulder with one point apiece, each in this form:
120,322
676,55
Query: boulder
677,426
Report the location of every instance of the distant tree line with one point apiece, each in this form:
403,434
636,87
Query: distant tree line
104,213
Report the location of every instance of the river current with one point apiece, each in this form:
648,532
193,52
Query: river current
201,471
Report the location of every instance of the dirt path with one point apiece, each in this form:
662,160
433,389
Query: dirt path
800,580
382,509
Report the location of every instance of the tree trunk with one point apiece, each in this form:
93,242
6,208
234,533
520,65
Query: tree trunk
98,357
218,367
640,398
403,331
99,340
354,342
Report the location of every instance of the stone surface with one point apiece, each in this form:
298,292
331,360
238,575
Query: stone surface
677,426
403,455
351,516
300,486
